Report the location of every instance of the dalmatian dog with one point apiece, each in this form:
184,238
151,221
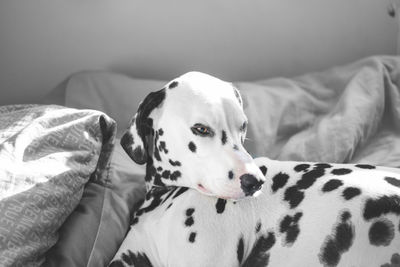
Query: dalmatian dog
208,203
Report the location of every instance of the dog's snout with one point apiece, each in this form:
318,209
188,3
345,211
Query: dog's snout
250,184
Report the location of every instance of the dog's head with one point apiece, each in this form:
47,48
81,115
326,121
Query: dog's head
191,134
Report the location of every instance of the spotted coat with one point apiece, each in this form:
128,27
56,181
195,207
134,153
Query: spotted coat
308,214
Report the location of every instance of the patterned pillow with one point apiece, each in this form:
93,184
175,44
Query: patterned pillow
47,155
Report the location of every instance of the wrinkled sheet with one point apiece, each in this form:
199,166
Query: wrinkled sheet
347,114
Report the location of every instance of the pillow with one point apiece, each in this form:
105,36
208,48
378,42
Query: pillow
47,155
115,94
103,215
93,233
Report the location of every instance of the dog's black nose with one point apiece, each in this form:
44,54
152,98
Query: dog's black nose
250,184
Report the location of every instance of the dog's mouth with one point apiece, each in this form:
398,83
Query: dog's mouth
205,191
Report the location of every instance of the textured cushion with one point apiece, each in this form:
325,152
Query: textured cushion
94,231
47,155
102,217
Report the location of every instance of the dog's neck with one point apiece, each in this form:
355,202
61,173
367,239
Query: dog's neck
153,176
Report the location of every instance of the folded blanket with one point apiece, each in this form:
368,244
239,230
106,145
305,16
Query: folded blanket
47,155
347,114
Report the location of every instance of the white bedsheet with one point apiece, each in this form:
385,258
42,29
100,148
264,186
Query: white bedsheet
345,114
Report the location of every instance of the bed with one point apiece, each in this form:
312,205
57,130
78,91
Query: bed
68,190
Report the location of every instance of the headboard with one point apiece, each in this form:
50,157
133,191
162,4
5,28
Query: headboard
44,41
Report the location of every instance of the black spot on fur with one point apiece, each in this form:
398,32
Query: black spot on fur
189,212
383,205
192,147
155,195
294,196
302,167
135,221
393,181
394,261
159,168
189,221
259,255
258,226
172,190
173,85
192,237
223,137
175,175
289,225
279,181
126,141
332,185
339,242
263,169
137,153
136,259
160,131
381,233
309,178
351,192
175,163
240,249
235,147
165,174
126,257
116,263
180,191
365,166
157,154
147,197
341,171
157,180
151,173
230,174
345,216
323,165
163,147
220,205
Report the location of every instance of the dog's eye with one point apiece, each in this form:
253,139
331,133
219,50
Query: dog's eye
200,129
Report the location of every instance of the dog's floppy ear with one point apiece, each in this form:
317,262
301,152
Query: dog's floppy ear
138,140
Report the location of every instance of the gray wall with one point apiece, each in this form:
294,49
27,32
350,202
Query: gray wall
43,41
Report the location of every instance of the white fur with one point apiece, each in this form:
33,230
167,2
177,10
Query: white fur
162,235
